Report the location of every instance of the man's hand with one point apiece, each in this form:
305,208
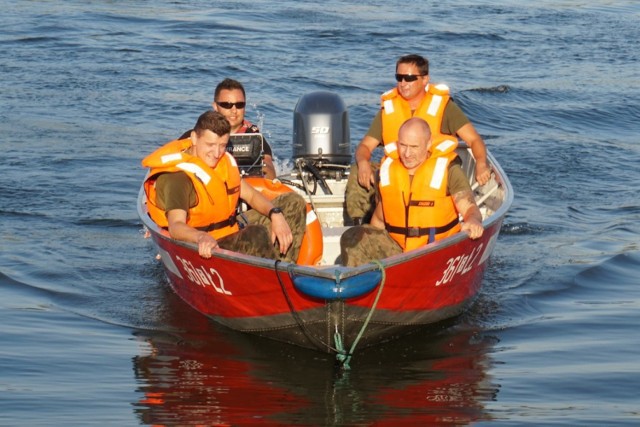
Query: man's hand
473,228
366,177
206,244
281,231
483,173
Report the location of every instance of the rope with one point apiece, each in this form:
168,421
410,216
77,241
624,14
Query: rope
296,315
343,357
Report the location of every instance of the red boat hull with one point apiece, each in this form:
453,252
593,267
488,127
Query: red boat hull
259,296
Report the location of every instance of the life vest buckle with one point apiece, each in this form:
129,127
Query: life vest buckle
413,232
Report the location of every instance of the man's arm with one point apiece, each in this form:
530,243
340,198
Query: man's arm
280,229
466,206
474,141
455,122
364,150
366,177
180,230
176,194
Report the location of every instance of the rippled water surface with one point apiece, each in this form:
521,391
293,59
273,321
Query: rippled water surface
91,332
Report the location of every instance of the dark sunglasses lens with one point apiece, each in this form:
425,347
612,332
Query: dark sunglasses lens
406,77
229,105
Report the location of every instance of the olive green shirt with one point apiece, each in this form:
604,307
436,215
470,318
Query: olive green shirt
458,181
174,190
452,120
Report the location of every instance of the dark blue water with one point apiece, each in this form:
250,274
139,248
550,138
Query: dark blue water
90,332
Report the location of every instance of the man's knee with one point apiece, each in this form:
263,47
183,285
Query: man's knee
253,239
294,209
359,202
363,244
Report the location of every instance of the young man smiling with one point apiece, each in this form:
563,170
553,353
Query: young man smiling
193,189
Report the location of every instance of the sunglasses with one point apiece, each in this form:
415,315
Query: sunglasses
230,105
408,77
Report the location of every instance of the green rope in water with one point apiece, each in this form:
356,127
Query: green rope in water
342,356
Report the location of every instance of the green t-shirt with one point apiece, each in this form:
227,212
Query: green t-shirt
175,190
458,181
452,120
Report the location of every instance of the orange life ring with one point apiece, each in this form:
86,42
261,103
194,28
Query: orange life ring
311,247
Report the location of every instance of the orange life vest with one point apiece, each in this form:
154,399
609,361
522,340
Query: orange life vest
419,211
396,110
217,189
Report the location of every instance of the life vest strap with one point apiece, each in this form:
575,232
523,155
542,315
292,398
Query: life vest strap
421,231
229,222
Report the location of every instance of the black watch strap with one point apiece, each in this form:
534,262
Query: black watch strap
274,210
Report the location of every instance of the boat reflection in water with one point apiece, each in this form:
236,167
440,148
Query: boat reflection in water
213,376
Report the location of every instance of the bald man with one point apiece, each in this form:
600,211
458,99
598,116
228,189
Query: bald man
422,194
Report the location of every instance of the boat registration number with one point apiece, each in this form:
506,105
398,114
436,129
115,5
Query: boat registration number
459,265
202,277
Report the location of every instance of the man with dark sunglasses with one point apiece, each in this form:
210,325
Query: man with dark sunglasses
413,96
229,99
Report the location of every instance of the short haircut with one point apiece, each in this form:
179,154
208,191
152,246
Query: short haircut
419,61
419,123
213,121
228,84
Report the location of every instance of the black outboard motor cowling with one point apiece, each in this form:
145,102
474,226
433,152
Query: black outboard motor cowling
248,150
321,130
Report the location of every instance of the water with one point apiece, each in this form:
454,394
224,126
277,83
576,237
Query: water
91,332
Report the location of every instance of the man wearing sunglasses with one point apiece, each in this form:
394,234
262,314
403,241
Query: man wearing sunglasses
413,96
229,99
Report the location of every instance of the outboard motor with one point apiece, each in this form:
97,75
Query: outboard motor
321,138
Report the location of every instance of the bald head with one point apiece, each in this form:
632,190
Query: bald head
415,125
414,142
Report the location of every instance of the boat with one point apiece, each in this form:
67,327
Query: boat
317,303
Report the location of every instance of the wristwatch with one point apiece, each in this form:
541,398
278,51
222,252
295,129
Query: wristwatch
274,211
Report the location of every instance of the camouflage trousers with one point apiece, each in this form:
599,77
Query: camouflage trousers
365,243
360,202
254,238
